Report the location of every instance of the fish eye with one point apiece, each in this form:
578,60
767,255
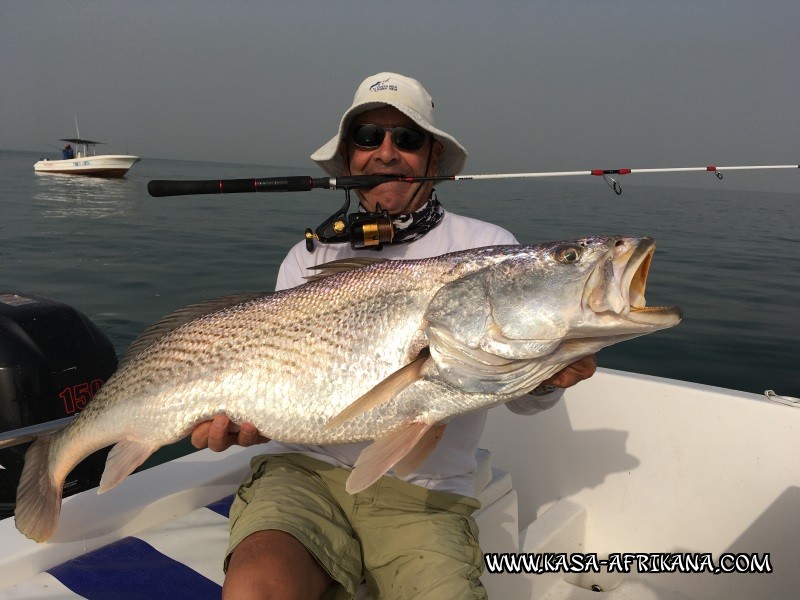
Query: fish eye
568,254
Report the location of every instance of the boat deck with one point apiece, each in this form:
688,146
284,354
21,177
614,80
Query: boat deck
179,558
182,557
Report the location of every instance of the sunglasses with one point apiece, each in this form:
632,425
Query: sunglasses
367,135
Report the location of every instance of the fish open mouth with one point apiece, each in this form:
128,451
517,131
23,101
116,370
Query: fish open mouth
634,281
618,285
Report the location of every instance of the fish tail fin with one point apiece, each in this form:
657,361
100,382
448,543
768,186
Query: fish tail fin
38,495
407,447
123,459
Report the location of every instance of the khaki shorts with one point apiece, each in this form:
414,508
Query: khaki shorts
408,542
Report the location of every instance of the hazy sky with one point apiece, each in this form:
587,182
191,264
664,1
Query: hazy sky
525,86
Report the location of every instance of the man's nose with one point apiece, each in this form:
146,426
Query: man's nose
387,151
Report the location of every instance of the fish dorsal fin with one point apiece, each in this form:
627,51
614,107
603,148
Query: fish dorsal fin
172,321
340,266
384,391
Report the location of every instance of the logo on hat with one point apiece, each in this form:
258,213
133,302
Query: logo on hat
380,86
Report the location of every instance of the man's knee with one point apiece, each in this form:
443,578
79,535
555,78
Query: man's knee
273,564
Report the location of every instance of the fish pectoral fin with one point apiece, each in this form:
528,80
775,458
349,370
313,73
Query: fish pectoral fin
123,459
420,451
384,453
384,391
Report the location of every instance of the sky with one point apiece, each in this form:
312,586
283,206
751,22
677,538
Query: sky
526,86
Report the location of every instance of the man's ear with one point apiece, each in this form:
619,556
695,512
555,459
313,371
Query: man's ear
345,158
436,152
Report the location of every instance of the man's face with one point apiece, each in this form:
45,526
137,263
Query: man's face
387,159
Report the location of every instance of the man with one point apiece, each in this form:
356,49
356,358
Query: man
295,532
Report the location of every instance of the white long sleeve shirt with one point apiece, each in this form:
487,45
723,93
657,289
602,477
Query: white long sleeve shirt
451,466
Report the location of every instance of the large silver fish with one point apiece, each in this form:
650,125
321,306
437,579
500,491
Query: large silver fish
387,351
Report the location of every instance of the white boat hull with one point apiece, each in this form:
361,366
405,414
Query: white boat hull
102,165
635,464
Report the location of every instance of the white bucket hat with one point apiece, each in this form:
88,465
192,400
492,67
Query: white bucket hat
410,98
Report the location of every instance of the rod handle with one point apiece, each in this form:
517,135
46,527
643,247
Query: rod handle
164,187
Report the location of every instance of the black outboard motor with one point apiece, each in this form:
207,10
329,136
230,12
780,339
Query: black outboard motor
52,362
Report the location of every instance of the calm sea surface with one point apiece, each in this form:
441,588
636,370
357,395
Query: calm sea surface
730,258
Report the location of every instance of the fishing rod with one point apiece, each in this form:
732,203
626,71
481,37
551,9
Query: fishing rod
163,187
371,230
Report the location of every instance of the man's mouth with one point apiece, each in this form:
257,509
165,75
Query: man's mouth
393,175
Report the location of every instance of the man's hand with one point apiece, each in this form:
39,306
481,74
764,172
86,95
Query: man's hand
220,434
574,373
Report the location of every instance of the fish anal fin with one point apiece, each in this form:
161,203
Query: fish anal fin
384,391
420,452
383,454
123,459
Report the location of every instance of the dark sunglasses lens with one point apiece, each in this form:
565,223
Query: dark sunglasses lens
371,136
368,136
407,138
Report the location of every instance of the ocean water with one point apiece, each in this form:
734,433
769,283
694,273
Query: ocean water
730,257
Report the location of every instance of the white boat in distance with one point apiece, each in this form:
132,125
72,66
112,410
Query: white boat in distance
87,162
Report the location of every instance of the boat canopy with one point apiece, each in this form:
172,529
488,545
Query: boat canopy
79,141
